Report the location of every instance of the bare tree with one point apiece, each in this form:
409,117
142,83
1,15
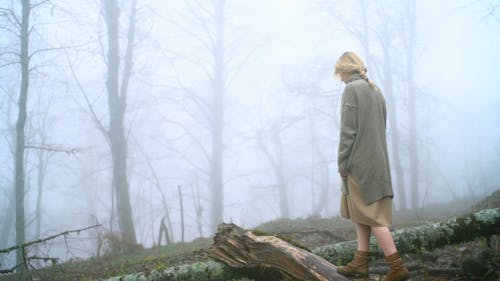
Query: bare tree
277,163
117,102
219,91
43,157
198,206
24,56
409,42
269,140
24,29
219,60
117,88
159,187
181,206
9,211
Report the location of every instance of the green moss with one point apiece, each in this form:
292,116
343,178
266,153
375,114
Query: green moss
259,232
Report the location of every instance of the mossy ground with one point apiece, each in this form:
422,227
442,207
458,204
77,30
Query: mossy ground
311,232
157,258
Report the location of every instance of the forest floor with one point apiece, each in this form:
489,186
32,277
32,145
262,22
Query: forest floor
474,260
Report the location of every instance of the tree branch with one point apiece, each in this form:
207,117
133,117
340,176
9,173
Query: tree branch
53,149
24,245
93,115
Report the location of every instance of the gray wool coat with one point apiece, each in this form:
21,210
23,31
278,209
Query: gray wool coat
363,145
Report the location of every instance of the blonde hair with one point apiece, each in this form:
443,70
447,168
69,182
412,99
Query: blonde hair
351,63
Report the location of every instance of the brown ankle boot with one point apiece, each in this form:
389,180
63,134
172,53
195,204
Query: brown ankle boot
358,267
397,269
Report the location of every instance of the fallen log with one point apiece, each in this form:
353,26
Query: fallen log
199,271
409,240
483,223
240,248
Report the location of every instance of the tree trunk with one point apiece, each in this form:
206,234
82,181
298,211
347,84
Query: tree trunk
324,184
8,221
198,208
280,174
394,132
159,187
410,66
117,105
20,137
43,162
163,230
181,205
277,164
244,249
9,211
218,92
213,271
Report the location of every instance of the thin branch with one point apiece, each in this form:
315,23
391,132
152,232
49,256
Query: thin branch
7,64
72,151
39,4
11,270
13,15
46,50
9,30
202,105
24,245
193,138
98,122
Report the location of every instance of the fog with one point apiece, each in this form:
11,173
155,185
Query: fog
264,69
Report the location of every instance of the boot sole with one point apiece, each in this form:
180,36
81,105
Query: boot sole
403,279
354,275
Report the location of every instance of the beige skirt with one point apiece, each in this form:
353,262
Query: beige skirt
353,207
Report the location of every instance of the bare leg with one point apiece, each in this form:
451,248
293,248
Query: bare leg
384,238
358,267
363,236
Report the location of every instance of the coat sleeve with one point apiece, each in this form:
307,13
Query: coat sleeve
348,127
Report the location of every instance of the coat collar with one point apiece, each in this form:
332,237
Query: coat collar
354,77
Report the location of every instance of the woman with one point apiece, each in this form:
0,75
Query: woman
363,164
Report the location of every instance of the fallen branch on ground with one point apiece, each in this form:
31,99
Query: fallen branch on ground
24,245
28,244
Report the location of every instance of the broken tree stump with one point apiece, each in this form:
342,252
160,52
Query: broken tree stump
243,249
